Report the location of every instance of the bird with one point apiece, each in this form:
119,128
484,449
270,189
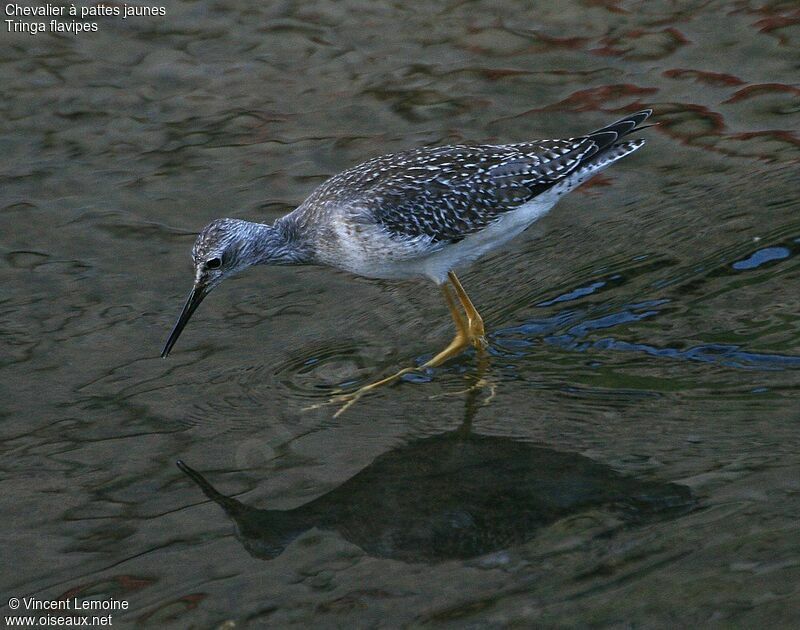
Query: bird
419,213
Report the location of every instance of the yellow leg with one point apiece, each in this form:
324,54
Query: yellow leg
475,330
459,341
456,346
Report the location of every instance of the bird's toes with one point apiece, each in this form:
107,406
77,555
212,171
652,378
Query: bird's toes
479,342
345,400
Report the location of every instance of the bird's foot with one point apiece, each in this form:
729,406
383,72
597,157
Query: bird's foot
481,383
479,342
476,333
484,382
456,346
347,400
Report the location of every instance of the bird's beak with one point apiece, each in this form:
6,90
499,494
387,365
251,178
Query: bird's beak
199,291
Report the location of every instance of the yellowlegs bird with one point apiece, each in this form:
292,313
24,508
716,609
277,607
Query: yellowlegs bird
418,213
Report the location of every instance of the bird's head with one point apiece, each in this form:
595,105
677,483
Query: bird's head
223,248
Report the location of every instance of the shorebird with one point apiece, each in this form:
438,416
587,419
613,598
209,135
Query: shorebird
418,213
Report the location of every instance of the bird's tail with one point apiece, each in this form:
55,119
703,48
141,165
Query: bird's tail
609,146
625,125
607,140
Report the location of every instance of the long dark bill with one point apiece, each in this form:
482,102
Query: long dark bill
192,302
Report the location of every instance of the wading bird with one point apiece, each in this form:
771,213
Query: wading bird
418,213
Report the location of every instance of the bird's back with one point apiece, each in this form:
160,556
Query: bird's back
414,203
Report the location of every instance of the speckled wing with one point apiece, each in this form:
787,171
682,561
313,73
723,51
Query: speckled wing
444,194
448,193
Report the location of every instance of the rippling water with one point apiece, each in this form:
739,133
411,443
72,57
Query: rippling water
631,456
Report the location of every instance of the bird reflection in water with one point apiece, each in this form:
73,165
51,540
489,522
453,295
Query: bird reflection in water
455,495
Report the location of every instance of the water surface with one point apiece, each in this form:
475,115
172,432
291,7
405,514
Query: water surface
645,336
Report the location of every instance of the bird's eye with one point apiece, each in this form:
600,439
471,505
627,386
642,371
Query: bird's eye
213,263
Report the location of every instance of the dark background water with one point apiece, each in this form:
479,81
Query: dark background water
634,456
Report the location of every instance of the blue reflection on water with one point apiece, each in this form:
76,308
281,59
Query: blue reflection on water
725,354
762,256
514,341
575,294
626,316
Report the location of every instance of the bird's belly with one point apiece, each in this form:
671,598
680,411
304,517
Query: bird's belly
372,253
490,238
378,256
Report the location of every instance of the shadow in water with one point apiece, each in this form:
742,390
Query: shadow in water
454,495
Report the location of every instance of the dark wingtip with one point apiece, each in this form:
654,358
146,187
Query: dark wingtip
625,125
608,135
605,137
637,118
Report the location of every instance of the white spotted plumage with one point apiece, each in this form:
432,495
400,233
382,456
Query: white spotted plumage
423,212
427,211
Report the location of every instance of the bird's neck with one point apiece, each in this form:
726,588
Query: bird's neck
279,244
